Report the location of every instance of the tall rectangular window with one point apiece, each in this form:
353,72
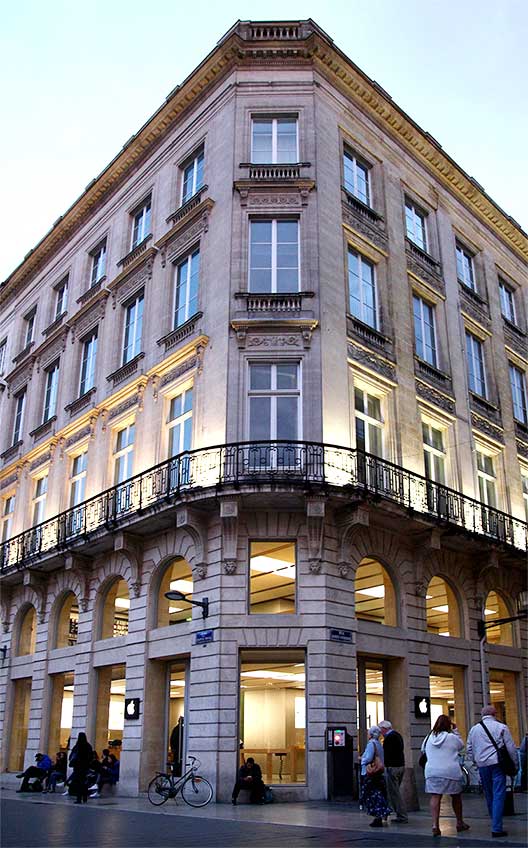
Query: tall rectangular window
29,327
141,225
524,481
272,576
434,453
124,454
274,141
8,513
52,387
424,330
180,423
99,263
518,389
3,349
356,175
192,177
89,357
369,422
475,364
78,478
39,499
465,272
61,298
362,289
486,479
133,328
507,299
274,256
274,401
415,225
20,406
186,294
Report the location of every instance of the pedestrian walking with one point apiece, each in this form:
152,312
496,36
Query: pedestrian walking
394,758
443,774
81,758
373,788
485,740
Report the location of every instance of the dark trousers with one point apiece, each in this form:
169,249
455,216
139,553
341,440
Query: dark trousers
80,784
32,771
256,789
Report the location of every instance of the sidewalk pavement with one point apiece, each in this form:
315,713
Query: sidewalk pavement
317,814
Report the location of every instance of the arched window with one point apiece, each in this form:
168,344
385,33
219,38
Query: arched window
443,615
374,593
495,608
28,633
67,622
177,577
115,610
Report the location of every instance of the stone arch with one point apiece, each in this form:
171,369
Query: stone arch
375,594
24,634
447,568
63,619
173,572
498,606
112,579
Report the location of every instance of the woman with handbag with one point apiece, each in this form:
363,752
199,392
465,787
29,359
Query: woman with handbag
373,789
443,775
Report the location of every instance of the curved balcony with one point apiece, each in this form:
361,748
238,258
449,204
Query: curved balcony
347,473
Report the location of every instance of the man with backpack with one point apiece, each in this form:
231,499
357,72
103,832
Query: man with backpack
491,747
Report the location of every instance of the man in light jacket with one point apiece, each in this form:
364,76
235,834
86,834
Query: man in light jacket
483,752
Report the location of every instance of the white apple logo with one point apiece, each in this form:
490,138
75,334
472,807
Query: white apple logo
422,706
130,708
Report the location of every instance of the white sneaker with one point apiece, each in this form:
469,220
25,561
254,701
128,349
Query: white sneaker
95,795
66,793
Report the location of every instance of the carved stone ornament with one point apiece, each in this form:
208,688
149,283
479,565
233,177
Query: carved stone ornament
423,272
174,373
230,566
40,460
371,361
136,589
81,568
522,448
174,249
89,317
437,398
123,407
315,521
487,427
132,547
7,481
38,583
294,197
420,589
80,434
315,566
20,377
229,522
51,350
200,571
132,282
343,568
356,221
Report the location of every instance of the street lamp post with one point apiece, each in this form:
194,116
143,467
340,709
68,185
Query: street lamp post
180,596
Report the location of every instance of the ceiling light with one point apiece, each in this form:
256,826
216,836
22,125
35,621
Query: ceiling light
122,603
490,612
270,565
428,597
444,633
264,674
443,608
185,586
175,609
373,591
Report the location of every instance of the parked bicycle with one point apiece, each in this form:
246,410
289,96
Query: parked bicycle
194,789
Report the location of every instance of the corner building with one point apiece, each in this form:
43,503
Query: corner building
274,356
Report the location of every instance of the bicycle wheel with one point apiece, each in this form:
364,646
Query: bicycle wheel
197,791
159,790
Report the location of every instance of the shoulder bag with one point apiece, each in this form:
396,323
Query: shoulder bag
422,762
505,761
376,765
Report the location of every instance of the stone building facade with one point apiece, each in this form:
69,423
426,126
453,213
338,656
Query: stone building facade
274,356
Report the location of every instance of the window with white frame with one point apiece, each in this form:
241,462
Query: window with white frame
465,269
274,263
507,299
192,180
89,358
141,224
415,225
434,453
487,482
518,390
186,291
29,329
362,288
274,141
424,330
3,350
124,453
52,387
99,263
179,423
475,364
8,513
356,175
133,328
61,298
369,422
524,481
20,405
39,498
274,401
78,478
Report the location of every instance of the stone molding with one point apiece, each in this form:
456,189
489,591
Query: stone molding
51,349
181,333
186,230
279,333
372,361
437,398
315,521
88,316
125,371
229,512
134,276
260,195
365,225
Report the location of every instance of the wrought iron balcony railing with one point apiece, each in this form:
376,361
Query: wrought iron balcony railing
310,465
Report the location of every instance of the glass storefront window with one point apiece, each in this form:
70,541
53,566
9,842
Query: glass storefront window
19,729
61,712
273,714
447,692
110,716
176,738
68,622
28,633
177,578
443,616
374,593
115,610
494,608
272,575
503,696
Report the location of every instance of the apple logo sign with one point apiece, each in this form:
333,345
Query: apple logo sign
131,708
423,707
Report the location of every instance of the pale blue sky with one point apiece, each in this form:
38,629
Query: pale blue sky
80,78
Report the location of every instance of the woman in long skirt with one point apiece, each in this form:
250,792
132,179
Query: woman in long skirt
373,787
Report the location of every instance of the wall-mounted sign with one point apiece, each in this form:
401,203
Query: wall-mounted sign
204,636
335,737
422,706
132,708
340,635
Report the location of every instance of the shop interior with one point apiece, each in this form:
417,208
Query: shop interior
272,577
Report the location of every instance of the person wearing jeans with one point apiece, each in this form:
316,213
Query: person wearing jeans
483,751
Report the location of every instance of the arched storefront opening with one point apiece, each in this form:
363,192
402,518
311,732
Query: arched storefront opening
443,614
496,608
374,593
67,622
27,638
115,610
177,577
